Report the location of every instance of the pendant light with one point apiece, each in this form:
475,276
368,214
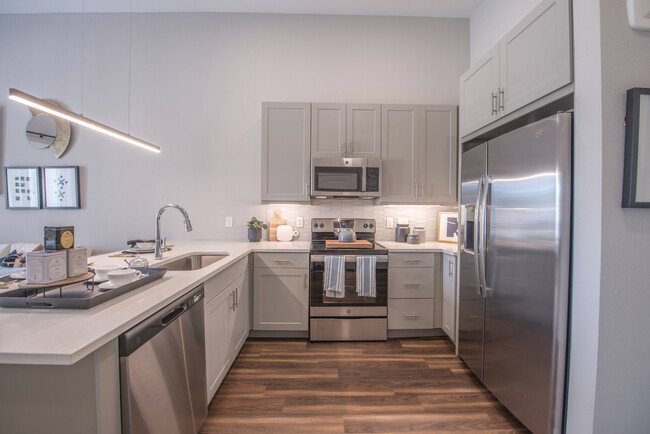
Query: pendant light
55,110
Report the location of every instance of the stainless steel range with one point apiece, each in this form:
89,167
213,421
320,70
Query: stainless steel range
350,316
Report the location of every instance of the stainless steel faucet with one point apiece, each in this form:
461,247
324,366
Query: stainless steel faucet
158,254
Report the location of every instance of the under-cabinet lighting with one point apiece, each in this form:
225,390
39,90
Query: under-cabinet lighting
52,109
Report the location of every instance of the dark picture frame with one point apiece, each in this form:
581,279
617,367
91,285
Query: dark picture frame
61,187
637,149
23,187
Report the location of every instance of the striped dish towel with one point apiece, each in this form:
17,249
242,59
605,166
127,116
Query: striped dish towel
366,276
334,276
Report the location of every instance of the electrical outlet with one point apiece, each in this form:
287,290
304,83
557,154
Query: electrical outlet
299,222
229,221
390,222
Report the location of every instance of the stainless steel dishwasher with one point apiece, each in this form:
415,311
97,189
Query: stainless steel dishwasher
162,370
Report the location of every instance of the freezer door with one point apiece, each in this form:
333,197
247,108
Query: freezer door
527,243
471,302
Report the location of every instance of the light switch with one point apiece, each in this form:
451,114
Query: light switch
390,222
299,222
229,221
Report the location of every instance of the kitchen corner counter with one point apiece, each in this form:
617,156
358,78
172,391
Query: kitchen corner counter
428,247
65,336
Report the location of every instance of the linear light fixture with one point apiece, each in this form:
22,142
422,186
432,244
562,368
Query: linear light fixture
52,109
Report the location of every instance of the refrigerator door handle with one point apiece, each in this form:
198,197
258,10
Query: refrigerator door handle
485,190
477,228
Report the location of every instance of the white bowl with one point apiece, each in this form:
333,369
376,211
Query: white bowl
122,277
101,271
145,245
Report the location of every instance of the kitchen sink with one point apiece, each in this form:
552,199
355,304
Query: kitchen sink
192,262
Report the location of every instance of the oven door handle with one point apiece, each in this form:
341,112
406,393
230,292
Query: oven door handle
348,259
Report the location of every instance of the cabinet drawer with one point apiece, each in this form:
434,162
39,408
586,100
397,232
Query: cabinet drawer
409,314
410,260
410,283
281,260
218,283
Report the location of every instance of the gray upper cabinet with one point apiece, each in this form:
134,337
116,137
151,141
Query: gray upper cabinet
438,154
286,160
399,148
536,55
530,62
346,130
419,154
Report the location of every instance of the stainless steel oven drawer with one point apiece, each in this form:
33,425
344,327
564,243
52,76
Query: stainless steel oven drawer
348,329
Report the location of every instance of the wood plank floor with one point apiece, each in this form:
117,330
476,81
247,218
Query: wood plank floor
403,385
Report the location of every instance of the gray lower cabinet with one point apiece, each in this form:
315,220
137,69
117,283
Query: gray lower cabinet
227,321
449,295
346,130
286,161
281,293
419,154
411,291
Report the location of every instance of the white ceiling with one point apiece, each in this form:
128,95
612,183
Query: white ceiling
411,8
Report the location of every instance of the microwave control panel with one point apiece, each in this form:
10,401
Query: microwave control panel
372,179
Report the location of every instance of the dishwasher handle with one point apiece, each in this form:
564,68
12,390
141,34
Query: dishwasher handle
143,332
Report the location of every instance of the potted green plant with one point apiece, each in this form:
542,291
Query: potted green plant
255,227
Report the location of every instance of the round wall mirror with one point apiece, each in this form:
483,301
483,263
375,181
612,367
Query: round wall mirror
41,131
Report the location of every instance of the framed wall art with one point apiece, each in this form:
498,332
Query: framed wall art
636,171
61,187
23,187
448,227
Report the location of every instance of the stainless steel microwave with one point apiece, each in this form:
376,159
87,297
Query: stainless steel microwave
346,177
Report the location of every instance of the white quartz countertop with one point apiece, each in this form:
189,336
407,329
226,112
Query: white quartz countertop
65,336
431,246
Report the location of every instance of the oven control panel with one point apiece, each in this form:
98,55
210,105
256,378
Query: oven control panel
331,225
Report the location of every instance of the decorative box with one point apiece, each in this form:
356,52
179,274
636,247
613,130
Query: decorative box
77,261
58,237
46,267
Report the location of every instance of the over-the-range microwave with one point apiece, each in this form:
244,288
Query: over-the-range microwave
346,177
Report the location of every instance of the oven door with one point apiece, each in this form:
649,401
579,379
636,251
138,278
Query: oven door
338,181
351,304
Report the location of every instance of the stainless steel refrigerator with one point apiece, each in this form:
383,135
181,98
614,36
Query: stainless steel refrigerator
514,268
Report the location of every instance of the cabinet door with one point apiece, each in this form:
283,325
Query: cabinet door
364,130
536,55
286,157
281,299
328,130
399,147
239,318
438,154
217,339
449,295
477,86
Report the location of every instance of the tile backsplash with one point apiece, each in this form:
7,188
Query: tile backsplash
418,215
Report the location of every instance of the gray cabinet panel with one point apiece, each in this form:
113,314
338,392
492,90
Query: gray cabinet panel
281,299
399,147
328,130
479,88
286,151
438,154
364,130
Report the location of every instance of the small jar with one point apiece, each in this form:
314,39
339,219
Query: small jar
140,264
419,230
413,239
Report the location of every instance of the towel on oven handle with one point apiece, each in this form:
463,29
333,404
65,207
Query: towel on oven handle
366,276
334,276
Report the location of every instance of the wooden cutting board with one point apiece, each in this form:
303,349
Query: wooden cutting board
358,244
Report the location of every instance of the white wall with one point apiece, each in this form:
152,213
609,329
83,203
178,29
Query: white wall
491,20
197,82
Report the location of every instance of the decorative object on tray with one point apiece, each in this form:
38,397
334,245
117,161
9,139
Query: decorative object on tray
273,225
61,187
140,264
58,237
448,227
255,227
23,187
45,131
636,171
46,267
101,272
77,261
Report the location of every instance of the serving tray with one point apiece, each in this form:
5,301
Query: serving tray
358,244
84,295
